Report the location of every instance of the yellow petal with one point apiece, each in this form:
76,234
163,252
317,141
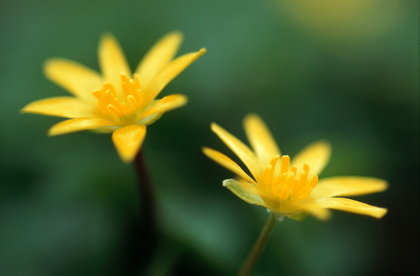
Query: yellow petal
149,119
167,74
228,163
301,209
60,106
128,141
76,78
348,186
260,138
316,155
301,213
78,124
347,205
165,104
112,60
158,57
240,149
245,191
319,213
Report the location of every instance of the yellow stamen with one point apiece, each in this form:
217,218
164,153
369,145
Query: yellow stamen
125,106
283,183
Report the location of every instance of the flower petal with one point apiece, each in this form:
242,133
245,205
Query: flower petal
158,56
316,155
319,213
165,104
128,141
245,191
348,186
112,60
240,149
260,138
228,163
149,119
170,71
60,106
78,124
301,212
348,205
76,78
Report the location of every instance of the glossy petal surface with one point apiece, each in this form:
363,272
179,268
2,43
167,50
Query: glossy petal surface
348,186
165,104
244,191
169,72
61,106
316,155
76,78
112,60
240,149
348,205
128,141
260,138
227,163
78,124
158,57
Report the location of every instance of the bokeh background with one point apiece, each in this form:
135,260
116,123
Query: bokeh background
344,71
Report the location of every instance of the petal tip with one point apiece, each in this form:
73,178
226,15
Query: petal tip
50,62
51,67
202,51
384,186
214,127
175,35
183,99
205,150
23,110
51,132
252,116
127,159
325,144
228,182
128,141
107,36
381,212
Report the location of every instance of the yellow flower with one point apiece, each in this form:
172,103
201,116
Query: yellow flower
290,187
115,101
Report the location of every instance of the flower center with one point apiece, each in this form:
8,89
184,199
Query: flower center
124,107
282,183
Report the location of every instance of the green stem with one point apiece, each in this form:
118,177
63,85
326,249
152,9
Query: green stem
259,245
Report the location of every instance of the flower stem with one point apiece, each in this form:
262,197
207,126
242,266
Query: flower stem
142,237
147,198
259,245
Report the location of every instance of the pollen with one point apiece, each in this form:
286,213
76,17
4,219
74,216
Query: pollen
283,183
124,105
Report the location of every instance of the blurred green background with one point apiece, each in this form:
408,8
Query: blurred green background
344,71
